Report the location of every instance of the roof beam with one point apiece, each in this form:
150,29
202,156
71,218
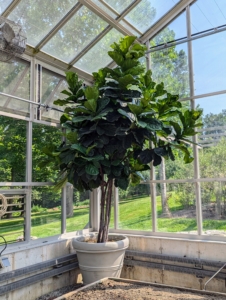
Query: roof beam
10,8
90,45
102,14
58,26
57,63
165,20
103,33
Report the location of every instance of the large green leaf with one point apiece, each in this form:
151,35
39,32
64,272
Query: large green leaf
145,156
124,113
91,105
126,80
125,43
91,169
79,148
154,124
61,102
80,119
91,93
122,183
137,110
117,57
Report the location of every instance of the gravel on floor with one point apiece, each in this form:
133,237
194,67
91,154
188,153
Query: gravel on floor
59,292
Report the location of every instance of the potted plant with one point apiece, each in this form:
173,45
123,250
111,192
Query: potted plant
114,130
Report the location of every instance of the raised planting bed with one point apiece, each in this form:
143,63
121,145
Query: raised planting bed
119,288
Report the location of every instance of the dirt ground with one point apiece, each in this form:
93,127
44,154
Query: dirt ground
110,289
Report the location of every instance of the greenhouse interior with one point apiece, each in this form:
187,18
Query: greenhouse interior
175,218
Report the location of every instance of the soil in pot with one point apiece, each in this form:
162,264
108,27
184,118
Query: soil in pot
111,289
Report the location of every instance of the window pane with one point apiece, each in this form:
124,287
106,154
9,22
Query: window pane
212,136
42,136
12,220
77,209
4,4
45,212
209,67
214,207
38,17
176,169
207,16
130,28
15,80
135,208
176,208
77,33
170,66
147,12
52,85
175,30
99,51
120,5
105,8
12,149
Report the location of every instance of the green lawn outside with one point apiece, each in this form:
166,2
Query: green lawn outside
134,214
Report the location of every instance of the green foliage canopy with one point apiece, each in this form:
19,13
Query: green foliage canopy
109,124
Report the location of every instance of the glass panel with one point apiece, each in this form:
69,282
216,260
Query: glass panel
77,209
175,30
176,208
135,208
170,66
12,149
105,8
207,16
99,51
38,17
52,85
147,12
209,67
45,212
212,137
128,27
176,169
120,5
214,207
77,33
42,136
12,220
4,4
15,80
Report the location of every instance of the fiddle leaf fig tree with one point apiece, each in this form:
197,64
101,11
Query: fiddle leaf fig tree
117,127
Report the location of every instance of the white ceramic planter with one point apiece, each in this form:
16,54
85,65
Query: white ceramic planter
97,261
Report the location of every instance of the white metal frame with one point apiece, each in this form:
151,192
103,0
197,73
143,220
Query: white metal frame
58,67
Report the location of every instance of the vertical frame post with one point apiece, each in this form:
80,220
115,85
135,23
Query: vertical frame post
27,231
195,139
63,209
152,168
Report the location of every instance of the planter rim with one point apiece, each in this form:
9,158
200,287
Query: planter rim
79,243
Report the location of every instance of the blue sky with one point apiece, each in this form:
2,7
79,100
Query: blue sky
208,53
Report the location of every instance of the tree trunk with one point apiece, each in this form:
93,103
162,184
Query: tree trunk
105,212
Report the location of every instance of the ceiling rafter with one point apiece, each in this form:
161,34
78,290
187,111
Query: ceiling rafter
103,33
58,26
10,8
102,14
57,63
90,45
165,20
